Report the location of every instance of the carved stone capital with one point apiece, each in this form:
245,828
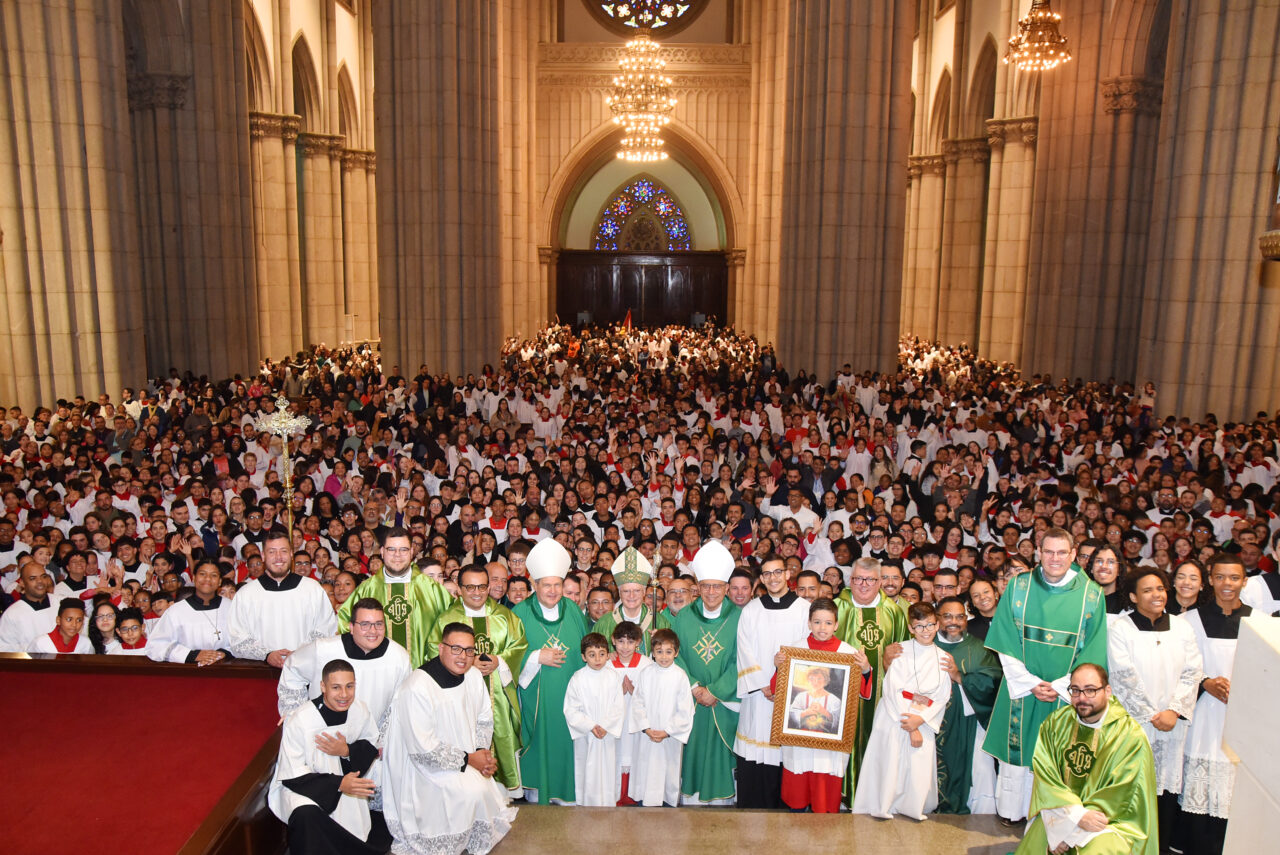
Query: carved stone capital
1021,129
157,91
736,257
547,255
321,145
926,164
1269,243
354,158
274,125
1140,95
976,149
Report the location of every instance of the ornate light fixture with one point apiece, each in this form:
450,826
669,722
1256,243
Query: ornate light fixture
1038,46
641,101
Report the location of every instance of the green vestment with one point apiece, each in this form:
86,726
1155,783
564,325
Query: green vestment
546,758
410,607
979,679
709,655
609,622
870,629
499,634
1108,769
1050,630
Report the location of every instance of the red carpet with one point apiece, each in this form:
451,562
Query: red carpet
116,764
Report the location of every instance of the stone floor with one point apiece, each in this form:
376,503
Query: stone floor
542,830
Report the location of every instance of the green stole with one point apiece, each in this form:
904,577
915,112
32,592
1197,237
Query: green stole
870,629
609,622
546,758
980,678
410,609
709,655
1107,768
499,633
1051,630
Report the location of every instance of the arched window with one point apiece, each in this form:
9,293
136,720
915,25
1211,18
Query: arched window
663,17
643,216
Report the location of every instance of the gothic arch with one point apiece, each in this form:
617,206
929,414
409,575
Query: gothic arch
348,111
643,214
1139,35
306,88
940,117
980,104
156,37
599,146
259,62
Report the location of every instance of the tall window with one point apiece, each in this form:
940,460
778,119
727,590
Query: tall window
642,217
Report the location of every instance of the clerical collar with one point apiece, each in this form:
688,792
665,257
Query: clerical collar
942,639
354,651
199,605
397,579
1100,722
782,602
37,605
470,612
76,586
1067,577
552,613
712,615
288,583
331,717
444,678
1142,622
622,610
870,605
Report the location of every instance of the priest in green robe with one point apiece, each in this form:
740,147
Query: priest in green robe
870,622
500,649
1048,622
553,628
1095,778
410,599
631,573
708,633
966,783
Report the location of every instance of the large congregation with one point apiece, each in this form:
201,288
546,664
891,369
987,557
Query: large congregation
575,578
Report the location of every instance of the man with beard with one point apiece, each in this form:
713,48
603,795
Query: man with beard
280,611
966,774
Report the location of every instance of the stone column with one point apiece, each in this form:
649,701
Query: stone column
964,215
1269,243
275,232
438,183
1210,332
547,257
843,208
71,305
359,242
1004,266
736,261
324,304
920,297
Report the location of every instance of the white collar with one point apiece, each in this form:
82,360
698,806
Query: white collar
870,605
1097,724
710,615
552,613
1067,577
470,612
392,578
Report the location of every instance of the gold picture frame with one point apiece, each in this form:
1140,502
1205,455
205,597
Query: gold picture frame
808,716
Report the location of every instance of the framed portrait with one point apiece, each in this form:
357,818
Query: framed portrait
816,702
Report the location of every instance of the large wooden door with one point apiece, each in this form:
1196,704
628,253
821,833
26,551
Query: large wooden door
657,288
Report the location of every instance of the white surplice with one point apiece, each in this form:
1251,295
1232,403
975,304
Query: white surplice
663,701
20,624
44,644
184,629
433,805
377,676
264,619
799,760
896,778
762,632
627,741
595,698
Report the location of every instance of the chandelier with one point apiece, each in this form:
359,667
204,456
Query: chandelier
1038,46
641,101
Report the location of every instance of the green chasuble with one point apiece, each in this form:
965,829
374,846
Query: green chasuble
979,678
608,623
1108,769
870,629
546,758
709,655
499,634
1050,630
411,609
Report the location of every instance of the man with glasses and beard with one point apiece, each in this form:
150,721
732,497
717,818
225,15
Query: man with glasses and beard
966,774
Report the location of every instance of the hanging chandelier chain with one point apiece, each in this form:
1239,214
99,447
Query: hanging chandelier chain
1038,45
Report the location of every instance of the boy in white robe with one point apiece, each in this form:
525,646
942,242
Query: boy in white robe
899,771
319,787
662,712
628,662
196,630
65,637
594,708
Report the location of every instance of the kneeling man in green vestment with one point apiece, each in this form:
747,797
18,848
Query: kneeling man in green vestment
1095,778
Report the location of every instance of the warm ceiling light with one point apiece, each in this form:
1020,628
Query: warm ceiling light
1038,46
641,101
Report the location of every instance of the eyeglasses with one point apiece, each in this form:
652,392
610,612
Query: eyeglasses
128,629
773,573
937,587
474,588
863,581
397,549
367,625
1086,691
458,650
101,618
923,626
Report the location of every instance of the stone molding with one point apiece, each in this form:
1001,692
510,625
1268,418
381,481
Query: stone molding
736,257
675,55
977,149
603,81
1269,243
548,255
354,158
1140,95
321,145
1020,129
925,164
274,125
157,91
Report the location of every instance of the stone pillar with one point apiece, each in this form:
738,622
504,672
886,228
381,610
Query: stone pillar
438,183
736,261
1269,243
359,242
964,215
275,231
1004,266
547,257
1210,332
324,304
844,189
920,286
71,305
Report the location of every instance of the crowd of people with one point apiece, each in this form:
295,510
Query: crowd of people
987,593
